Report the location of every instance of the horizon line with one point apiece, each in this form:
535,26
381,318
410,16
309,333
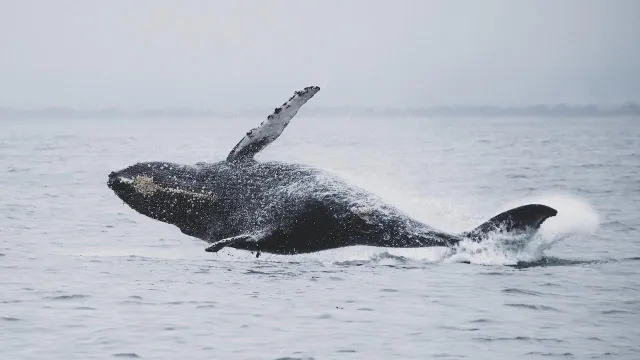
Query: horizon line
558,109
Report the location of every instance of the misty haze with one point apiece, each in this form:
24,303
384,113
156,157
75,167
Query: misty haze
240,55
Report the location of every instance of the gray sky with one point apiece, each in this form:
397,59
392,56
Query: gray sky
239,54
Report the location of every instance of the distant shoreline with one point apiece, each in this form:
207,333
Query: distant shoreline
561,110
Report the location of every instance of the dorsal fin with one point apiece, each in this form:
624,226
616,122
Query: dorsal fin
269,130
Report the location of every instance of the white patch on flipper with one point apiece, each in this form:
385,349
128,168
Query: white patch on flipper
269,130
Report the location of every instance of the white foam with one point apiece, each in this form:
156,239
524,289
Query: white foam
575,218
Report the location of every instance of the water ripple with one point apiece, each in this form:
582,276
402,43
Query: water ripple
513,291
126,355
67,297
519,338
533,307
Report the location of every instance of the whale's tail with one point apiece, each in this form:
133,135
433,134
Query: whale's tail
523,219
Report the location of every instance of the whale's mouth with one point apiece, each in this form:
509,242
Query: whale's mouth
120,179
168,195
141,184
146,186
115,179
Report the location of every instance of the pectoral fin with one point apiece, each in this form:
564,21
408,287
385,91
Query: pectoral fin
270,129
219,245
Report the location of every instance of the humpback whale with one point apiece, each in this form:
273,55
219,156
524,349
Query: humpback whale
285,208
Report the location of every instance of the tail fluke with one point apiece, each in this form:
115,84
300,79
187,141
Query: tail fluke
523,219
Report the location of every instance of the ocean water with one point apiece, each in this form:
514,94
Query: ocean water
82,276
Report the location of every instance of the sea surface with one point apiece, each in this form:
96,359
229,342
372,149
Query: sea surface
82,276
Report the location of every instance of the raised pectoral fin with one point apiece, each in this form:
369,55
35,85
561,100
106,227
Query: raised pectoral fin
269,130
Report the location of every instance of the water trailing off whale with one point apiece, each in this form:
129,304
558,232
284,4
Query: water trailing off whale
284,208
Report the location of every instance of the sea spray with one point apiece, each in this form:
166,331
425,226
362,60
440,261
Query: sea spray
576,218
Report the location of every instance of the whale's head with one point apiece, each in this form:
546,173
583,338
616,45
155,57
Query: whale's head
166,192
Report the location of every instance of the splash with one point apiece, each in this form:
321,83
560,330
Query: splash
576,218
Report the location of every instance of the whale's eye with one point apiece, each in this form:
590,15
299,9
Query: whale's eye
361,219
362,224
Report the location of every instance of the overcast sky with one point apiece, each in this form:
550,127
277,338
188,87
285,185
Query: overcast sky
239,54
